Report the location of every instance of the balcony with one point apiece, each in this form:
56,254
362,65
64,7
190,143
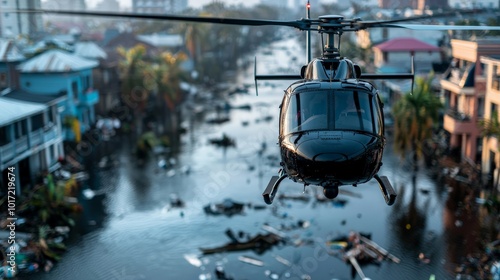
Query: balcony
89,98
33,142
458,123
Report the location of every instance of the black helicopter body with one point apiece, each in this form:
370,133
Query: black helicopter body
324,140
331,148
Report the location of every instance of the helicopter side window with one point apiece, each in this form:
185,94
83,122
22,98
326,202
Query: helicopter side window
353,111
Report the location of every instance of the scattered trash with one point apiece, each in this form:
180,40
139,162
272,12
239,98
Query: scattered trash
224,141
358,249
175,201
423,258
250,260
193,260
228,207
283,260
259,244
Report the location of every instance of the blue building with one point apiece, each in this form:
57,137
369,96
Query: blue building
57,72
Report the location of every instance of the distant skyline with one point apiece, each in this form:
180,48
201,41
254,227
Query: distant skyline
196,3
191,3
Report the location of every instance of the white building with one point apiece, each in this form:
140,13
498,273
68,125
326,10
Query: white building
15,24
159,6
30,136
468,4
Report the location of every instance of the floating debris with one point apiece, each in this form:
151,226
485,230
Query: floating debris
193,260
250,260
259,244
228,207
224,141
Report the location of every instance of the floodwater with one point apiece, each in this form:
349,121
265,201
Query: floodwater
129,231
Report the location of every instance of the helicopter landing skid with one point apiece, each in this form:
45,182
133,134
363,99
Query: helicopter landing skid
272,188
386,189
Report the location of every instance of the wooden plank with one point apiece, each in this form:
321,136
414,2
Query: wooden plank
381,250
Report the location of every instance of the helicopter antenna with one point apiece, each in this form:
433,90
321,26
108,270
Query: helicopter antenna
308,34
412,73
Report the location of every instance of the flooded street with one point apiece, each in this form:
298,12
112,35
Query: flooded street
130,230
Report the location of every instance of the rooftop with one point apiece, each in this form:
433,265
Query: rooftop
90,50
406,45
9,51
21,95
54,61
13,110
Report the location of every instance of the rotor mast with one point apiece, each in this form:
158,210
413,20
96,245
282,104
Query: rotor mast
331,26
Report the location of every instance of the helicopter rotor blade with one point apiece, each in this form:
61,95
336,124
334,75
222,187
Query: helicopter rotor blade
440,27
299,24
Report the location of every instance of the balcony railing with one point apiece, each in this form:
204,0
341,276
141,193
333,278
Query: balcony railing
458,123
25,143
456,115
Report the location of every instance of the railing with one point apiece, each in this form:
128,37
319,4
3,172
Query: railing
459,116
19,146
36,137
7,152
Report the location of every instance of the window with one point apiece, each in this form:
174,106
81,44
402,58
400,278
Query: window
332,110
3,79
37,122
4,135
21,128
74,89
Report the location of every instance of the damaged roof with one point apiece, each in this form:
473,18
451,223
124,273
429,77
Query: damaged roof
90,50
9,52
55,61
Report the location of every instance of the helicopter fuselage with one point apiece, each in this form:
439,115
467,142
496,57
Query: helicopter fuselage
325,140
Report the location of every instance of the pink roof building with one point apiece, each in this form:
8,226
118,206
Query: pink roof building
398,52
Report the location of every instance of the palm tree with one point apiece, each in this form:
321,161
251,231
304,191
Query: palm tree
168,75
132,71
414,116
491,128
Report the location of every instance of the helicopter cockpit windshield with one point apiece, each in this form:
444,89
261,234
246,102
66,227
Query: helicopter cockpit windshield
355,110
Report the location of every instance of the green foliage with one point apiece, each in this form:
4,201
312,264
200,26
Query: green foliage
45,204
490,127
414,118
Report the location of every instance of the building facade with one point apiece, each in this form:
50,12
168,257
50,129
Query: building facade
464,90
490,156
159,6
54,72
30,139
14,25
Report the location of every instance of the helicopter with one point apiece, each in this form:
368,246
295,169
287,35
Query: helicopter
331,119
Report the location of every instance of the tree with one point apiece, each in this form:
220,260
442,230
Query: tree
414,117
166,80
132,71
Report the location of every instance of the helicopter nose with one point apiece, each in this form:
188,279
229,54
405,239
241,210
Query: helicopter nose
330,150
